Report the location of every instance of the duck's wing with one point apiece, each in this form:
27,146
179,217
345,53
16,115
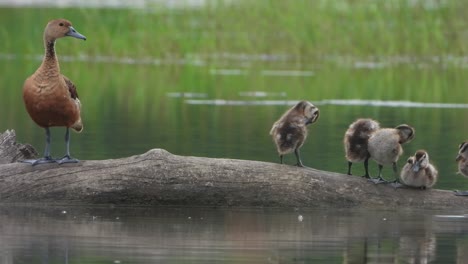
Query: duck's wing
275,126
71,88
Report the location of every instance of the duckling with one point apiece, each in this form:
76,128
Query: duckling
462,159
356,140
419,172
290,131
51,98
385,147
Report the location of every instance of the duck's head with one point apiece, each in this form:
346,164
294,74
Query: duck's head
60,28
406,133
462,152
311,112
419,160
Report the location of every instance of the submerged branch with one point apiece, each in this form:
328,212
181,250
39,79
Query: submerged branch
158,177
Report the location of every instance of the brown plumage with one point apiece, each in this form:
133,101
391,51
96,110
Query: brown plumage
51,98
356,141
290,131
462,160
385,146
418,171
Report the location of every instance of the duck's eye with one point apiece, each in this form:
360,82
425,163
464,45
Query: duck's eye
61,24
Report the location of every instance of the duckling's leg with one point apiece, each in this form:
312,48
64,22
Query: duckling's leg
281,159
349,167
366,168
298,157
67,158
379,179
397,179
461,193
47,158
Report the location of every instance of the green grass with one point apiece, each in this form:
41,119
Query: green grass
301,28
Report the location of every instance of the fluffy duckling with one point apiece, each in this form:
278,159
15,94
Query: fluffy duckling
356,140
418,172
462,159
290,131
385,146
51,98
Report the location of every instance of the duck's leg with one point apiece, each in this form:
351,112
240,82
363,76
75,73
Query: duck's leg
298,157
379,179
47,158
67,158
349,167
396,183
397,178
461,193
366,168
281,159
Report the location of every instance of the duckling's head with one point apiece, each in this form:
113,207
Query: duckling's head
406,133
462,152
60,28
420,160
309,111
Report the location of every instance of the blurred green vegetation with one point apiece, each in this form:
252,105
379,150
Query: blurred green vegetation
300,28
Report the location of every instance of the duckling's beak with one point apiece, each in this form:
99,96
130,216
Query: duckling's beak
458,158
314,117
416,166
75,34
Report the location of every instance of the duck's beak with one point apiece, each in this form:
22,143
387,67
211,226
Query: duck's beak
75,34
314,118
416,166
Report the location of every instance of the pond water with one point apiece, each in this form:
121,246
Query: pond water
202,112
227,235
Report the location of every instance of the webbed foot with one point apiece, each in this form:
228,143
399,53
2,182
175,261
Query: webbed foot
461,193
378,180
397,185
67,159
44,160
299,164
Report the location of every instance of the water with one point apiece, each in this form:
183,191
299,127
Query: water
227,235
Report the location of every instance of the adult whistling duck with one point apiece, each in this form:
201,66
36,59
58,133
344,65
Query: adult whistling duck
51,98
290,131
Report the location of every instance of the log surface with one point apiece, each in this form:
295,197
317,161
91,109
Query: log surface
158,177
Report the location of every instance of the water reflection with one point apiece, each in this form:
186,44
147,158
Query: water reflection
350,102
209,235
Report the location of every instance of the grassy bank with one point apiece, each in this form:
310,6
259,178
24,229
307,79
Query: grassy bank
300,28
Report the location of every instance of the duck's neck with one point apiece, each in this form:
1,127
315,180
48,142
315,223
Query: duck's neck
50,65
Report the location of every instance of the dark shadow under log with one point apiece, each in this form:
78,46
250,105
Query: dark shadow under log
158,177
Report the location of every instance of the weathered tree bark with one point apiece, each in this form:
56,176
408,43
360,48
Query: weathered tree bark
10,151
160,178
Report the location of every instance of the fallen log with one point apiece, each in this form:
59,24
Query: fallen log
11,151
158,177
